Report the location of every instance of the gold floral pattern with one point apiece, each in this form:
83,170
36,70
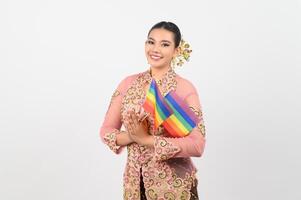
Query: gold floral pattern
160,177
110,140
115,94
200,125
163,149
184,54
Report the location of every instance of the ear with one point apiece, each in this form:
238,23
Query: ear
176,52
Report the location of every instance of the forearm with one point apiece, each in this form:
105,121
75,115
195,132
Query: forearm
189,146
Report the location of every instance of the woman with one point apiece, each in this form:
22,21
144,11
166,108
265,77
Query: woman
158,166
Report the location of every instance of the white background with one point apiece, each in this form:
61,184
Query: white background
61,60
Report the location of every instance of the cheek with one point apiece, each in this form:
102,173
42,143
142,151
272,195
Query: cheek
146,50
168,53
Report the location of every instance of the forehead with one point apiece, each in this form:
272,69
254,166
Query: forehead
161,34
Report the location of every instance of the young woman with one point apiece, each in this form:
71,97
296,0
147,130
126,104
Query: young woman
158,166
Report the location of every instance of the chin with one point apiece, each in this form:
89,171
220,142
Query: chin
156,64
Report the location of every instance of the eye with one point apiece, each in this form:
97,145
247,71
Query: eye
149,42
165,45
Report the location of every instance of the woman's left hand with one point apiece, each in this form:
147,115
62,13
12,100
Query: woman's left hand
138,131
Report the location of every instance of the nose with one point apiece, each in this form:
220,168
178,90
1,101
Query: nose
156,48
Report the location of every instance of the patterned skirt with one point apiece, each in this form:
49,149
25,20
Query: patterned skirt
193,191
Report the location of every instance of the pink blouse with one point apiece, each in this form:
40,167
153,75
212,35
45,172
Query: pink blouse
166,168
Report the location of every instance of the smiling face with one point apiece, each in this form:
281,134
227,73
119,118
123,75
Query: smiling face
160,48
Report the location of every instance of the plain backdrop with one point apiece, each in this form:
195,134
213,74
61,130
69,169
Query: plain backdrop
61,60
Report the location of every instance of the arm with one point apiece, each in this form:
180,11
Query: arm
110,130
123,139
190,146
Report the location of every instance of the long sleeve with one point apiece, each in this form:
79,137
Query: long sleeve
190,146
112,120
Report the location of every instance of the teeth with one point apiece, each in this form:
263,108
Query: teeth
155,57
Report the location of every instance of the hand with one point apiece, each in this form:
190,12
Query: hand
137,129
123,139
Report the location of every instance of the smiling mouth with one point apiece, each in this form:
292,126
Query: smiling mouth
155,57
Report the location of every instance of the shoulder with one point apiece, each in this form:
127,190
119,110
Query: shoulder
188,91
128,79
126,82
185,86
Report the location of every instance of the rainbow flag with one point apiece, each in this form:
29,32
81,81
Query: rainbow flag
156,105
171,111
183,119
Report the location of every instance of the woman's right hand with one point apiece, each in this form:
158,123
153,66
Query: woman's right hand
123,138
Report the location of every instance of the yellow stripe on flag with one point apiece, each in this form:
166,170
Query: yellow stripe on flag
178,123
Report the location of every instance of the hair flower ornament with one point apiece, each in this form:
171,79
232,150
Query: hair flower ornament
184,54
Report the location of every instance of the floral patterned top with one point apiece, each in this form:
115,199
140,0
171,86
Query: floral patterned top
166,168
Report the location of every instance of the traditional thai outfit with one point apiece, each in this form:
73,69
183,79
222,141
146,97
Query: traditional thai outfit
164,171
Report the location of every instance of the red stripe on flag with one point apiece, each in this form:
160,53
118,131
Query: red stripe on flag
172,126
148,107
170,129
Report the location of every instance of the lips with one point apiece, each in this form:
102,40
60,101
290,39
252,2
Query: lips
155,57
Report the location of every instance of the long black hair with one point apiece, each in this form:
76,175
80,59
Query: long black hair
170,27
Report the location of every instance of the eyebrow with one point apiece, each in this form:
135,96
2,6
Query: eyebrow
161,40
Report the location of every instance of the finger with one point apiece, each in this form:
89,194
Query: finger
132,117
137,109
143,117
135,119
127,126
128,120
131,125
141,114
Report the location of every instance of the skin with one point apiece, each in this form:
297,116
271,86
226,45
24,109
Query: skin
160,42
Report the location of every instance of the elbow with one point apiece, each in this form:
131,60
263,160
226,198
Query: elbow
101,134
198,153
199,149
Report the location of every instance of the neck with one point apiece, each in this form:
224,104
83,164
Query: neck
158,73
